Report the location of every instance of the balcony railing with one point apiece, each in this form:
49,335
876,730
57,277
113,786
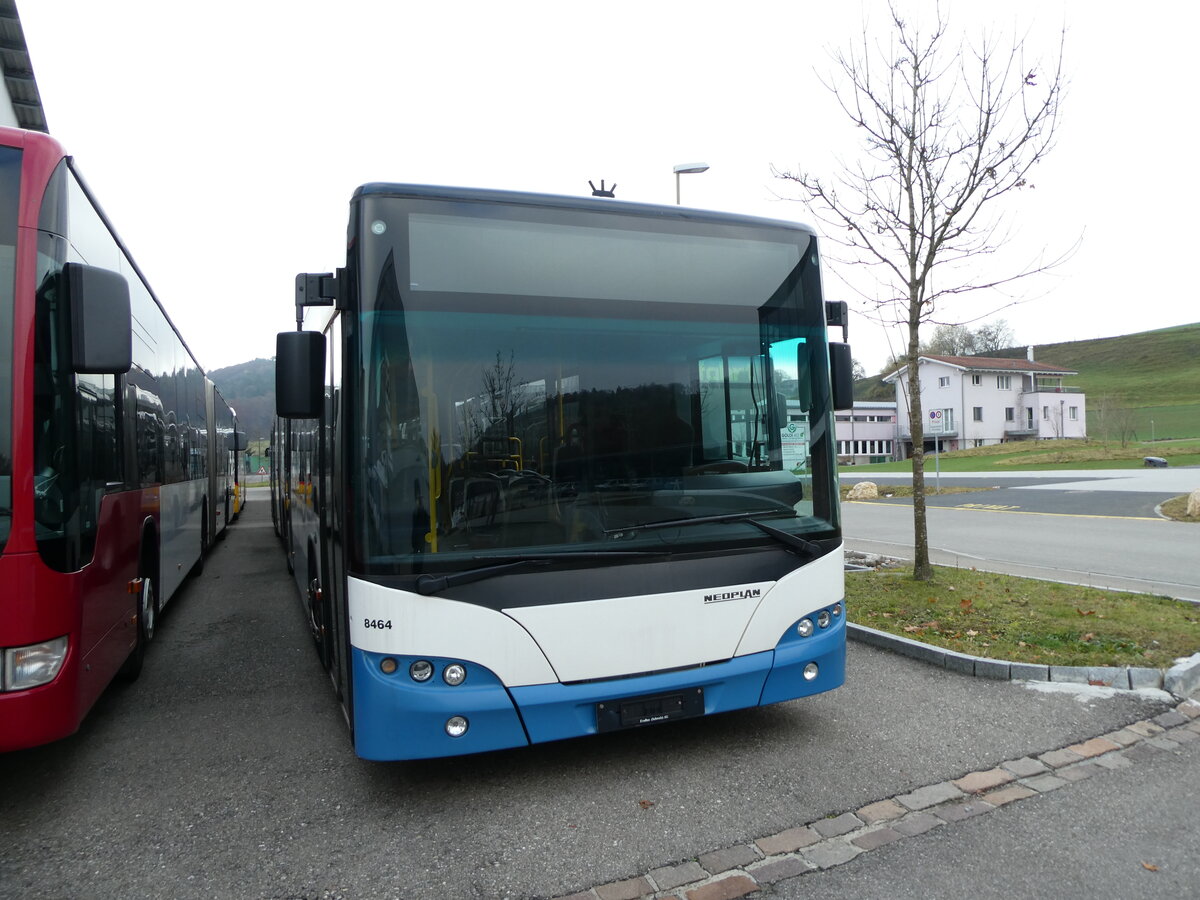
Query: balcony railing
1019,429
1051,389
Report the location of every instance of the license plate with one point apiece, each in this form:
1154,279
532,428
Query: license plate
635,712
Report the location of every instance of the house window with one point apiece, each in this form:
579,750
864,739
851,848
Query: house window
1074,413
1009,414
977,413
1004,382
977,379
944,381
1045,412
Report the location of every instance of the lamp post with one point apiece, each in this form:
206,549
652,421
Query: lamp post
687,169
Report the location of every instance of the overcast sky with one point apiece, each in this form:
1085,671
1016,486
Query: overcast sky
225,139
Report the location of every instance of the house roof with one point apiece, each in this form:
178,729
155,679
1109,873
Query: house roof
990,364
999,364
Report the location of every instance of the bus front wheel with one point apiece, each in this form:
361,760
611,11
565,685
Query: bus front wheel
147,616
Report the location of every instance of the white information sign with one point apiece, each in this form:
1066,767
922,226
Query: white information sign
793,439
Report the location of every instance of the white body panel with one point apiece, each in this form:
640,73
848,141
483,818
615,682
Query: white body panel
594,639
180,511
435,626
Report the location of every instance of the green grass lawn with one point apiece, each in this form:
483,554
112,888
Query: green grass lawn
1024,620
1017,456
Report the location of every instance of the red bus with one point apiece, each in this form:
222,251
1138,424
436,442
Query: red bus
106,447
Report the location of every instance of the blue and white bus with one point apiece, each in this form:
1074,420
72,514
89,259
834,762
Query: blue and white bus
554,466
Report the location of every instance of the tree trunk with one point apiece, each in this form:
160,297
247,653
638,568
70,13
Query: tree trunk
922,571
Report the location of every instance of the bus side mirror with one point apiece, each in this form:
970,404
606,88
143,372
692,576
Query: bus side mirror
299,374
841,372
101,320
237,441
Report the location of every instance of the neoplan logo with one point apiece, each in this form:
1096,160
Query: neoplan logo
733,595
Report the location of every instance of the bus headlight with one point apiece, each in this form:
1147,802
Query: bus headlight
36,664
837,610
456,726
454,674
823,618
810,671
805,628
421,670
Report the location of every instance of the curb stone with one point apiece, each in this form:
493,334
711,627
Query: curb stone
793,853
1181,680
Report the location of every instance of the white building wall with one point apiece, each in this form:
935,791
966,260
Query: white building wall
866,433
976,407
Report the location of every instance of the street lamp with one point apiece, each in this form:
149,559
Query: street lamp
687,169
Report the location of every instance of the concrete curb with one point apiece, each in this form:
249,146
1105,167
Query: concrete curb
1181,680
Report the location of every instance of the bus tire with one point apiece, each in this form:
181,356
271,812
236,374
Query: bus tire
198,566
319,619
147,618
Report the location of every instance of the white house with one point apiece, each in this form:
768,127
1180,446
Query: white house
974,401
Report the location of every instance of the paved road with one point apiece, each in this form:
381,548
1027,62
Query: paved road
1100,492
225,771
1098,529
1120,834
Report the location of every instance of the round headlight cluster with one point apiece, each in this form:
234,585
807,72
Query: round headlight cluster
806,627
421,671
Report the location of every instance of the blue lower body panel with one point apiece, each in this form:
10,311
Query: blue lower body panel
398,718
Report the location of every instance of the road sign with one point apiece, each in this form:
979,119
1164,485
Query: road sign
935,421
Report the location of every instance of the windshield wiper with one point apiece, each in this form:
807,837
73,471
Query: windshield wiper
432,584
794,541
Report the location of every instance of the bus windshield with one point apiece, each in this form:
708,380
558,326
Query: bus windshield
615,384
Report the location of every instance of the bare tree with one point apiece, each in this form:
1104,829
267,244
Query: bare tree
993,336
951,340
504,397
950,133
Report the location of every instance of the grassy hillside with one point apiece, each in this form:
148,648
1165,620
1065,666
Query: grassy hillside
1152,368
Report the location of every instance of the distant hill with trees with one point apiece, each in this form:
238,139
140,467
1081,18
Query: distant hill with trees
249,388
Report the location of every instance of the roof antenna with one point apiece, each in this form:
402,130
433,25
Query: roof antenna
602,191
